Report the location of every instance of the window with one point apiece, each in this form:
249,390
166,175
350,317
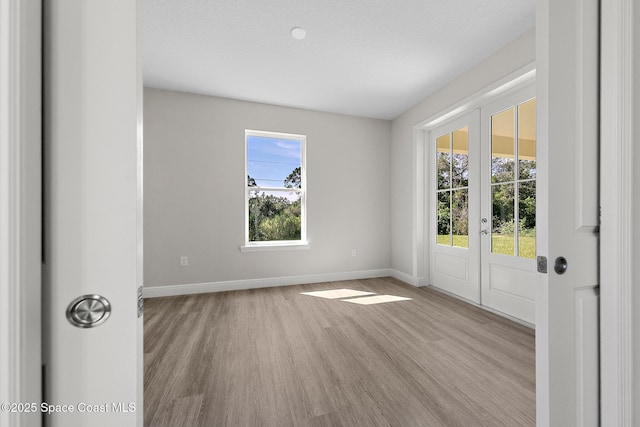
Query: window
513,181
452,169
275,191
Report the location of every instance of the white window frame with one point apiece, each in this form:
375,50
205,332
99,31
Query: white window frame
303,243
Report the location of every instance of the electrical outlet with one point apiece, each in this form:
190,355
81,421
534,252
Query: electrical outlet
184,261
354,252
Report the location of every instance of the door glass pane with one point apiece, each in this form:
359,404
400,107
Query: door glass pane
503,146
460,164
444,218
460,218
527,214
443,161
502,226
527,139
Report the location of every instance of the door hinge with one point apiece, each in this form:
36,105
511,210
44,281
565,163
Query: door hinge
140,302
542,264
599,215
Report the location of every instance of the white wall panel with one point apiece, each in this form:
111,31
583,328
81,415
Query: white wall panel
502,280
452,266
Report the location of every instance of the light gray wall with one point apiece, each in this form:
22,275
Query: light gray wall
194,181
510,58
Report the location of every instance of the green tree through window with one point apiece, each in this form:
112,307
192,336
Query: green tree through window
273,217
275,187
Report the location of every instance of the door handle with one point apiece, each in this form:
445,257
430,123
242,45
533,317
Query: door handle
560,265
88,311
484,232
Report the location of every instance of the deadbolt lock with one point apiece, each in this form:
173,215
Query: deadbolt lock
542,264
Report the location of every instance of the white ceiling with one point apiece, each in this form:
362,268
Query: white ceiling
371,58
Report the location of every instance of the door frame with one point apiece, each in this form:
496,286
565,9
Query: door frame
20,208
617,214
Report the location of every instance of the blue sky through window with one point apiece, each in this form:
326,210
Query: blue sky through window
271,160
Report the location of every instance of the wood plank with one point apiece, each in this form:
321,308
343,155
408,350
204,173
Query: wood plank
274,357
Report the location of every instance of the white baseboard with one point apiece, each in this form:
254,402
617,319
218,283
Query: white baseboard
407,278
234,285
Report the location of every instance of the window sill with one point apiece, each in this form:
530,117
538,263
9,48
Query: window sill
262,247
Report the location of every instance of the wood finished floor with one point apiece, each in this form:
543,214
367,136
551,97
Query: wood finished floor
274,357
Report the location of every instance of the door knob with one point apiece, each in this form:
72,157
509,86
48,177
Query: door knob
88,311
484,232
560,265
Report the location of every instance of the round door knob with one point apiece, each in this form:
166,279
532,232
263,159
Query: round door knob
88,311
560,265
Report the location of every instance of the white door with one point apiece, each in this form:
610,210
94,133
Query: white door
484,184
509,205
455,247
567,388
92,140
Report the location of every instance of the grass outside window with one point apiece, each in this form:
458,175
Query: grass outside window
501,244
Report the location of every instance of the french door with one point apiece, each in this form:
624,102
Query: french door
455,248
484,205
508,187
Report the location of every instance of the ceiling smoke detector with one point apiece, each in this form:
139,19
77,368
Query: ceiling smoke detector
298,33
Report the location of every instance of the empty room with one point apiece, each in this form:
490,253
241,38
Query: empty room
329,151
293,213
282,156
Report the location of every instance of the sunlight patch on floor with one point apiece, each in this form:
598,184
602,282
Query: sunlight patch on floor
357,297
377,299
337,293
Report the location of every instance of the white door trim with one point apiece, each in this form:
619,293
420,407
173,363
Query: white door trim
617,223
20,208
